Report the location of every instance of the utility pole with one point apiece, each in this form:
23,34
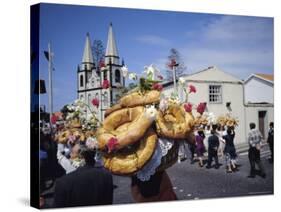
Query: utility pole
50,69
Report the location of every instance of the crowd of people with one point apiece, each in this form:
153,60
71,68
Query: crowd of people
220,142
80,178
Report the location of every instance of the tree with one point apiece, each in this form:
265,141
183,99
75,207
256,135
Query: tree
98,52
181,68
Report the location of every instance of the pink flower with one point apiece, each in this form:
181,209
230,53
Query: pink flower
54,119
96,102
163,105
160,77
192,89
187,107
157,86
111,144
71,139
201,107
105,84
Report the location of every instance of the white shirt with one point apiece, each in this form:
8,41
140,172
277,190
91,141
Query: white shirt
64,161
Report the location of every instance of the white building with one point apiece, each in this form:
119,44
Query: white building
90,79
259,101
224,93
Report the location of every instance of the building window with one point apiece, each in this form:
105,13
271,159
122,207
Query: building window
104,75
81,81
105,99
89,99
215,94
117,76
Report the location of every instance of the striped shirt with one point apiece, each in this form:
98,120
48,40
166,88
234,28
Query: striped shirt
254,137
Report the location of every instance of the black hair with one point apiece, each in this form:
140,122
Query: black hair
201,133
252,125
87,154
214,127
271,124
229,130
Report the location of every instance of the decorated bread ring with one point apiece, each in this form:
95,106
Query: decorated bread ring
129,161
63,136
137,98
139,119
174,123
78,134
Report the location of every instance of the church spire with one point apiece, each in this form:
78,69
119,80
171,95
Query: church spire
88,55
111,48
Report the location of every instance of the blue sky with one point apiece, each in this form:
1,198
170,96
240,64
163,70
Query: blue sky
240,45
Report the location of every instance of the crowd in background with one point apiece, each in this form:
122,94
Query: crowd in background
80,179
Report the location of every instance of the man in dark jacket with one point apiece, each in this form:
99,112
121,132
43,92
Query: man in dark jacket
213,145
88,185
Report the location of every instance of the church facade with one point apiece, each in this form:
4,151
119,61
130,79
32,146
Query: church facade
90,77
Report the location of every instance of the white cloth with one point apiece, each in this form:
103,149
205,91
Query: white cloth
163,146
63,161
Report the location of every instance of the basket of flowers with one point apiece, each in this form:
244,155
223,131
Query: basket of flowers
78,125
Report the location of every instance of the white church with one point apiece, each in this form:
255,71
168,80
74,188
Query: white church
90,79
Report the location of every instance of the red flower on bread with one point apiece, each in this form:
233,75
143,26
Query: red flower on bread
111,144
157,86
201,107
192,89
96,102
105,84
187,107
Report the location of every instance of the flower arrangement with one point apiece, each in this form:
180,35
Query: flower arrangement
79,124
77,114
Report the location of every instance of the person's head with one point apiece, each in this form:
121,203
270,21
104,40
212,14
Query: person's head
201,132
87,154
208,127
229,130
271,124
252,126
75,150
214,127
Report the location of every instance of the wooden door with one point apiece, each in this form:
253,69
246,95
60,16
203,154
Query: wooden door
262,115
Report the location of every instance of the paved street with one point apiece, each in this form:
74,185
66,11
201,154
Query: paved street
193,182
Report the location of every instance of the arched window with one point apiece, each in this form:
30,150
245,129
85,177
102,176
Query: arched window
104,75
81,81
117,76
